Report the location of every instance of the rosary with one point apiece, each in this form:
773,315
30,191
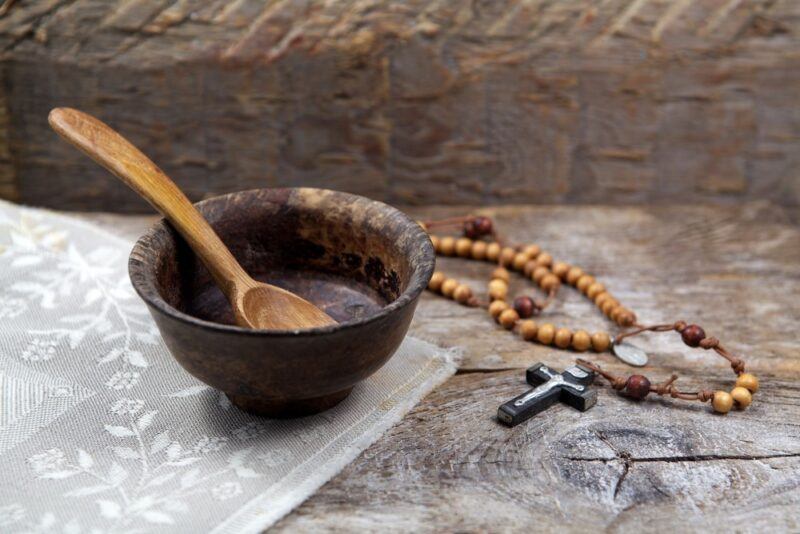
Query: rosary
479,241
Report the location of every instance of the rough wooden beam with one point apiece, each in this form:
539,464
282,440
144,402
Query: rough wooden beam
416,102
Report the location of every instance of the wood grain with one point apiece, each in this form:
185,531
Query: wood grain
661,465
450,102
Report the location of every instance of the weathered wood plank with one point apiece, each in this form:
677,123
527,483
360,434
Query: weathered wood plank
415,102
662,465
449,466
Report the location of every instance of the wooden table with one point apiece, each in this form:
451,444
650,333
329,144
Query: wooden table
622,466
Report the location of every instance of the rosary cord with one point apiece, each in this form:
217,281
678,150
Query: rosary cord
667,387
692,337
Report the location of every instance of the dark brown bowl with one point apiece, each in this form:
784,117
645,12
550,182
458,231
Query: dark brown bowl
363,262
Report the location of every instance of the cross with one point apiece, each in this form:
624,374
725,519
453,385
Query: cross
571,387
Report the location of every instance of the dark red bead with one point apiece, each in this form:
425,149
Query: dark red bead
692,335
524,306
470,230
483,225
637,387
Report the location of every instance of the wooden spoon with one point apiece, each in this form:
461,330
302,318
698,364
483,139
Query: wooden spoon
255,304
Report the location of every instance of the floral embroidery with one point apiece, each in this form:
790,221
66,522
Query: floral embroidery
126,407
207,444
109,309
276,457
39,350
123,380
226,490
143,481
11,307
249,431
47,462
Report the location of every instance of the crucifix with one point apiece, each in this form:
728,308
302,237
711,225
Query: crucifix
550,386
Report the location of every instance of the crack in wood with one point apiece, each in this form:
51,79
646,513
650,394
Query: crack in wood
689,458
627,463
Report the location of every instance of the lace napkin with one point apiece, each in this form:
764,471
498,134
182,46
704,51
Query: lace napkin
102,431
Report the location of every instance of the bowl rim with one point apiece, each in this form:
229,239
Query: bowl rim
145,286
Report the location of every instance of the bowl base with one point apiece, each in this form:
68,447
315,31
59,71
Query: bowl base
283,409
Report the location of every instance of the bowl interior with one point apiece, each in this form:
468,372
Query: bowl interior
348,255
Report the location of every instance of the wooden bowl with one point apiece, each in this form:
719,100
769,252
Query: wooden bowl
363,262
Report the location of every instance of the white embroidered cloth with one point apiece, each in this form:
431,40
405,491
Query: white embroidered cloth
102,431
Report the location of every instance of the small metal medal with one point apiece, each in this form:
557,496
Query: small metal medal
630,354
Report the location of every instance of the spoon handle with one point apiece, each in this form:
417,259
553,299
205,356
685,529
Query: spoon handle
108,148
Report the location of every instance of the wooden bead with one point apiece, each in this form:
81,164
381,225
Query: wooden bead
722,402
436,242
629,319
563,338
478,251
692,335
539,273
748,381
584,282
463,247
507,256
600,341
448,246
449,286
436,281
482,225
573,274
524,306
519,261
422,225
595,289
529,267
493,251
550,282
546,333
528,329
508,318
501,273
581,341
498,289
560,269
462,294
545,259
532,250
601,298
608,306
741,397
637,387
497,307
470,230
624,317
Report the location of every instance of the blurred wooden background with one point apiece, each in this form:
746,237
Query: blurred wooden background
415,102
